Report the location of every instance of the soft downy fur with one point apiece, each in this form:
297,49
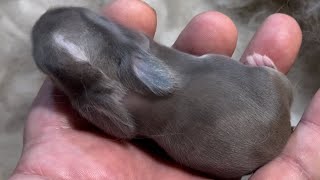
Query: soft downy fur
226,118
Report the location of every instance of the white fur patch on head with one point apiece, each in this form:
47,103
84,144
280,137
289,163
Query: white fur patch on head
74,50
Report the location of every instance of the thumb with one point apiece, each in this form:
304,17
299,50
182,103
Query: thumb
300,158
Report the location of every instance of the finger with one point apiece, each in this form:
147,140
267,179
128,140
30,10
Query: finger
209,32
279,37
300,158
134,14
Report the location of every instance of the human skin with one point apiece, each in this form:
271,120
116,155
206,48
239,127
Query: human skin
58,144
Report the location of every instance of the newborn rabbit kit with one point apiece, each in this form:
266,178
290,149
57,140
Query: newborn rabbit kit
209,113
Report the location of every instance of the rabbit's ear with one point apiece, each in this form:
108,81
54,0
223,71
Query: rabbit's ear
154,74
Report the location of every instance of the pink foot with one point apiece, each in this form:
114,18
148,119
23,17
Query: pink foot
259,60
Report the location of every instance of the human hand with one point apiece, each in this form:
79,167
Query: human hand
58,144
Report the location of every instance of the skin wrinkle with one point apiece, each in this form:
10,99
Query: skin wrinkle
65,174
296,164
28,175
306,150
311,125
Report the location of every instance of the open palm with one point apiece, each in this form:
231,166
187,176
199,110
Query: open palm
58,144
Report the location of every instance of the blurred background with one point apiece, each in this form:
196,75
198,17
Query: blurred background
20,80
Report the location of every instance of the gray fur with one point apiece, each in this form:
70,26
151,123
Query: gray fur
208,113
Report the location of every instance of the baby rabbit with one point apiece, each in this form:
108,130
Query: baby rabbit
209,113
